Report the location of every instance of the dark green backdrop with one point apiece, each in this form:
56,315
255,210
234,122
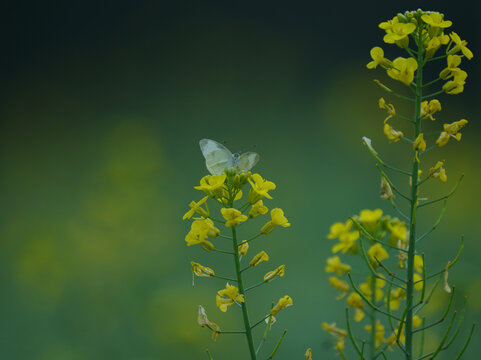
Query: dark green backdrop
102,107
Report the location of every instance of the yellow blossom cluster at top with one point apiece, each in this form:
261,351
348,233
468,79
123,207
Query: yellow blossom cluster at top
421,34
425,29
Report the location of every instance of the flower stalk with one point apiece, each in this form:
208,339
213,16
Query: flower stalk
378,238
226,188
414,205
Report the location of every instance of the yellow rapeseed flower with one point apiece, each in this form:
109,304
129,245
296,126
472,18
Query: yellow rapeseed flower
419,143
200,270
354,300
200,230
460,46
339,228
194,238
453,62
403,70
377,253
257,209
334,265
370,218
243,247
277,219
271,275
260,257
205,226
227,297
438,171
212,185
435,43
377,55
260,188
232,216
398,32
456,86
308,354
387,25
347,242
416,321
418,263
196,207
436,19
388,107
451,130
392,135
284,302
399,233
428,109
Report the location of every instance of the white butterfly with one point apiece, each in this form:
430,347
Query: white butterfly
218,158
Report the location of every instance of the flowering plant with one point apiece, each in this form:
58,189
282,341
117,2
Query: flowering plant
226,189
394,303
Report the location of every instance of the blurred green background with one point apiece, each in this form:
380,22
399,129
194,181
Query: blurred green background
102,108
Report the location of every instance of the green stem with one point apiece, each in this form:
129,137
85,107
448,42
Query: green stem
240,283
373,319
271,356
414,203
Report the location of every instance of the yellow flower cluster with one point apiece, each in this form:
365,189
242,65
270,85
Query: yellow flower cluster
430,27
388,232
427,31
226,190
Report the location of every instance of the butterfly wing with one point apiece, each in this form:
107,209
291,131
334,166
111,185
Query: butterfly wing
217,156
247,161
